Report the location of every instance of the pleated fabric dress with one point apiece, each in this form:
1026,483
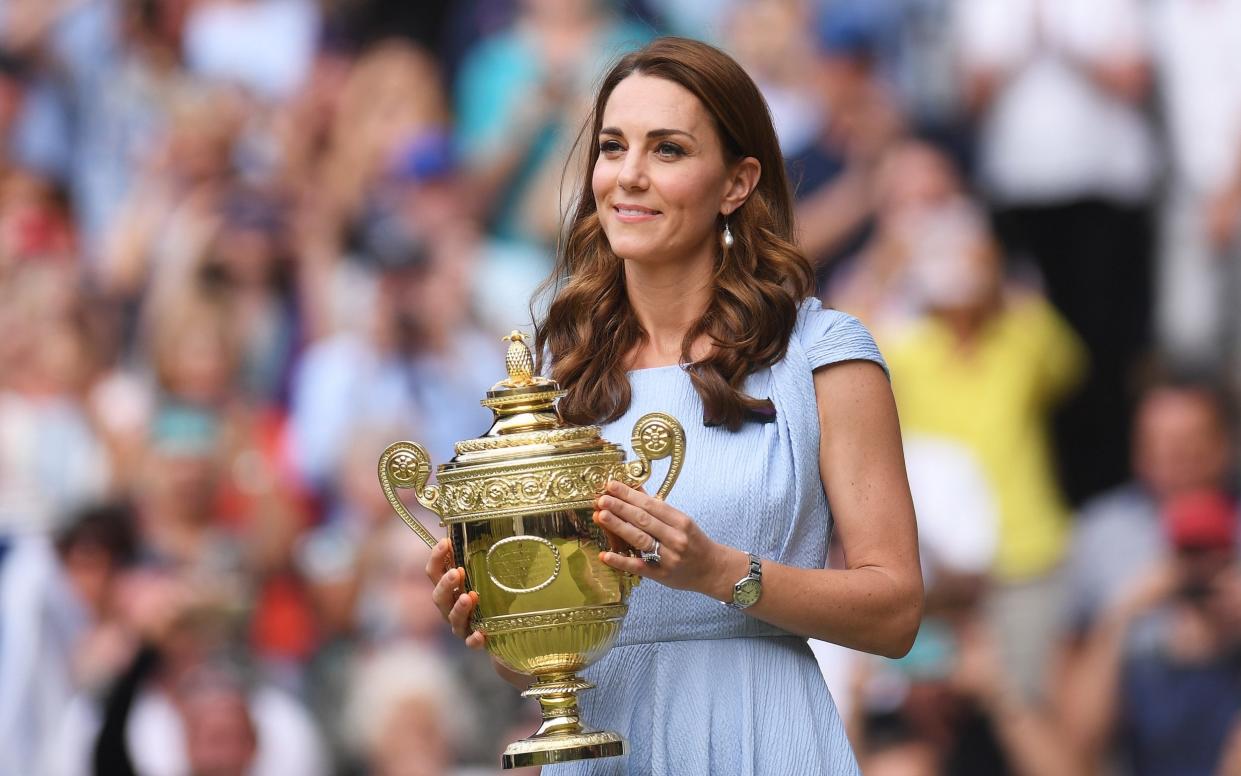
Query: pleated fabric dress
697,688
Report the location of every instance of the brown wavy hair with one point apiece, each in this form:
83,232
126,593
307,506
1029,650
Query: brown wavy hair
590,329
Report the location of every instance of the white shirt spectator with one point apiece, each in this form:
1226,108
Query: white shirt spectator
1197,57
1197,53
958,528
41,622
1051,133
51,461
288,741
265,45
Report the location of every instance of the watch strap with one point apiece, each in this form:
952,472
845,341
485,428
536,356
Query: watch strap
755,573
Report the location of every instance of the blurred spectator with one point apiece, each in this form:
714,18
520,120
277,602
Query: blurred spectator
353,559
912,183
220,734
35,224
170,215
370,586
773,40
1066,158
952,705
894,750
51,458
114,61
354,564
263,45
195,351
362,22
12,87
833,177
1157,674
520,96
178,499
911,43
51,595
38,132
247,267
1182,443
418,361
1124,555
925,71
176,701
702,19
986,368
250,510
958,525
1195,48
406,714
391,101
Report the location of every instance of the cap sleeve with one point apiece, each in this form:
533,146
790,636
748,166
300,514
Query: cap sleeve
830,336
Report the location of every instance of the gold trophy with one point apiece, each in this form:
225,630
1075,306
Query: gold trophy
518,503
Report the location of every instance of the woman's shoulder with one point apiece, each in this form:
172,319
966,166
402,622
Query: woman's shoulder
828,336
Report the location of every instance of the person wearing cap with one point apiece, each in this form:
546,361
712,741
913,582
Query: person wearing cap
1158,685
1181,444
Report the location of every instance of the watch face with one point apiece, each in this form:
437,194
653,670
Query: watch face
747,592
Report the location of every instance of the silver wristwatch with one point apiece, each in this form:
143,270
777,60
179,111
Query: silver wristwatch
750,587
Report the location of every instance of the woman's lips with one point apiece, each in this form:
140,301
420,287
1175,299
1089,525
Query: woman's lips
634,214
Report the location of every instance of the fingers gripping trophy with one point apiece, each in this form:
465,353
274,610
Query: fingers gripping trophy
517,503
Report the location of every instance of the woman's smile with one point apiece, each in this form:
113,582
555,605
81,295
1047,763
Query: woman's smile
634,214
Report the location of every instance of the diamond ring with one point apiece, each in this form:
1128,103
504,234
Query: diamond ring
651,556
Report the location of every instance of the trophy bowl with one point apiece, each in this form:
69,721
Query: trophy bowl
518,503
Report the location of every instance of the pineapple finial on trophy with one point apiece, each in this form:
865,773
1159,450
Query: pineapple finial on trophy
518,360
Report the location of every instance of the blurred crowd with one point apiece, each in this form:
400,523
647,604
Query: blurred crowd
245,244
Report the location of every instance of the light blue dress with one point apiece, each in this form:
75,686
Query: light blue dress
697,688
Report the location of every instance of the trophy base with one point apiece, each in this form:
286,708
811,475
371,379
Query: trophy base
562,748
562,737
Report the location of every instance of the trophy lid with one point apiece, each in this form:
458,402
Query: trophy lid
526,423
530,462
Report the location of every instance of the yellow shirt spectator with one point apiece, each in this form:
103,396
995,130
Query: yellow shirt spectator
995,394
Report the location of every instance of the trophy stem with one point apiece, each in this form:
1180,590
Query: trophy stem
561,737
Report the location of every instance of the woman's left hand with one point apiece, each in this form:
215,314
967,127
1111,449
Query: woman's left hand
688,558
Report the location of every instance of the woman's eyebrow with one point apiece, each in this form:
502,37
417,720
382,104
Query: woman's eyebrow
654,133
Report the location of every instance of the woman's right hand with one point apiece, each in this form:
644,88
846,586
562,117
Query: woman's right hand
454,604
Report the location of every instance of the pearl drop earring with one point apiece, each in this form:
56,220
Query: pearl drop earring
727,238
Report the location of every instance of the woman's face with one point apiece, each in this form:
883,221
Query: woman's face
661,181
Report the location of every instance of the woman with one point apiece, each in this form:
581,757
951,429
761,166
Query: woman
682,291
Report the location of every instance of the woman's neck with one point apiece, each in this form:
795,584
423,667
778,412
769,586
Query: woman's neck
667,300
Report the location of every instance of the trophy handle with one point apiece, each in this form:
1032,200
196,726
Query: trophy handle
655,436
407,465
